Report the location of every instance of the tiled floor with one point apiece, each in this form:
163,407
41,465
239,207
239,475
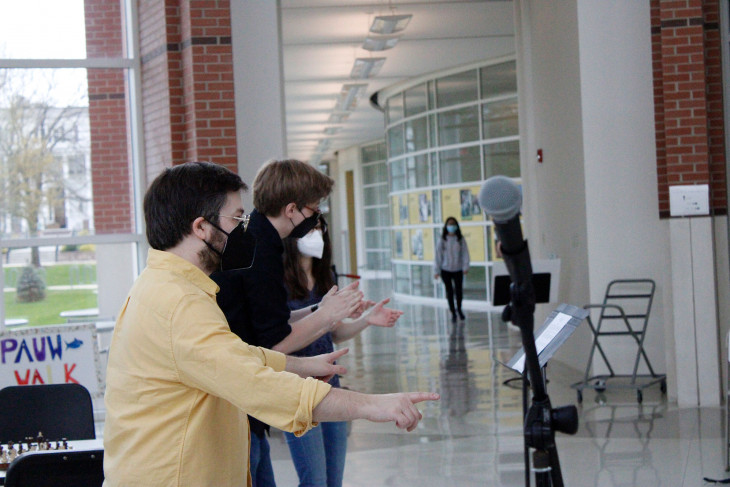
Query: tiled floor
474,435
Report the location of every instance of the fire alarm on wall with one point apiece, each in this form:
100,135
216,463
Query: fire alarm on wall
539,155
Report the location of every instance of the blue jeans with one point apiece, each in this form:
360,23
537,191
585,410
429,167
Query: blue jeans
319,455
262,472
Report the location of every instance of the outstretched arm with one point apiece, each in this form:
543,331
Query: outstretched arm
344,405
335,306
378,316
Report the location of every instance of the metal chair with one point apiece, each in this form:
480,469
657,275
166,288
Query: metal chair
62,468
57,410
626,305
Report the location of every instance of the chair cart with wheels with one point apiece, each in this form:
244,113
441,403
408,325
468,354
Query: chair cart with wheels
624,312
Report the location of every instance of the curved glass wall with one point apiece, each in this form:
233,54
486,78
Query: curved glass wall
444,137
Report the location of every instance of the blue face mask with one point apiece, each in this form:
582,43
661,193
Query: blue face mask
451,228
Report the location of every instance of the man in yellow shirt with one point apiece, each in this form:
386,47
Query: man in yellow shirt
179,383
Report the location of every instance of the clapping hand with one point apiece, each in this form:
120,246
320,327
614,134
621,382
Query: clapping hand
381,316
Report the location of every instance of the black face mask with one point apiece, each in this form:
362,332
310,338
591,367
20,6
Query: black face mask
239,250
305,227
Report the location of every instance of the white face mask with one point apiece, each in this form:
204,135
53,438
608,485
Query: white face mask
312,244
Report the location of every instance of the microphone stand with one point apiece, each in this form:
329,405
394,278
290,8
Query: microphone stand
541,420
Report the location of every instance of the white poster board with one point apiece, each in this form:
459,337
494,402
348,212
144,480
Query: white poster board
51,355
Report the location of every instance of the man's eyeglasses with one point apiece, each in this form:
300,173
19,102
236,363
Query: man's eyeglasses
242,220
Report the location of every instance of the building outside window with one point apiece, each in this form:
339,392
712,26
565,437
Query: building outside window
69,212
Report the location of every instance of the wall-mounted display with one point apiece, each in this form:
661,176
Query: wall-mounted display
474,237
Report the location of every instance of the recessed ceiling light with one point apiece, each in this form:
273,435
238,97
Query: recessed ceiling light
389,24
365,67
338,117
380,43
349,95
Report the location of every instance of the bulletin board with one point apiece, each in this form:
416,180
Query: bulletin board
420,208
475,240
469,209
450,203
428,248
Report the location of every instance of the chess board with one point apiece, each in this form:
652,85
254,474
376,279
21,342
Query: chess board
11,450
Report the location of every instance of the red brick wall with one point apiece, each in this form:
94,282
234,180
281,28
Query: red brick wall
187,82
688,98
110,163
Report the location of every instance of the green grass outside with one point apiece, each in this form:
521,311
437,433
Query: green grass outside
57,275
46,312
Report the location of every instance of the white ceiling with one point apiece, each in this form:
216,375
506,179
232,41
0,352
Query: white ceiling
322,38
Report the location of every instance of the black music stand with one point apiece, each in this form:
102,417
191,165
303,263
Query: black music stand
554,331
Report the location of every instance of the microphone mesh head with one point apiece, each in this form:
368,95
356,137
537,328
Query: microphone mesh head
500,198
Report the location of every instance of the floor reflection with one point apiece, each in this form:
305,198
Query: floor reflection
474,435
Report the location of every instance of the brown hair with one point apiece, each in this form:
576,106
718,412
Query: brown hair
279,183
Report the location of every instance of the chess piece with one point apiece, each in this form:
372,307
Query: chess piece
12,453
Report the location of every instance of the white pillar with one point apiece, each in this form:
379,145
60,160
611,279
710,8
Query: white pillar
258,77
695,312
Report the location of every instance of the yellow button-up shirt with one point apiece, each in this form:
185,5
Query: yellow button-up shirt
179,385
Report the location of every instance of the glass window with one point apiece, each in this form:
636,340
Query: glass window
46,136
371,153
416,134
499,119
375,195
68,278
422,280
27,27
433,157
458,126
460,165
377,261
457,88
502,158
376,217
402,279
475,284
431,87
499,79
377,239
432,131
395,141
67,130
395,108
416,100
398,175
375,173
436,206
418,171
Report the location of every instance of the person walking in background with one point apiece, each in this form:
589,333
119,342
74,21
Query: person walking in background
452,263
319,455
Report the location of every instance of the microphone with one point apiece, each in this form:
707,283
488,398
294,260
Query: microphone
501,199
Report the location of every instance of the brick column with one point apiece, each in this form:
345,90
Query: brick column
688,99
691,150
187,83
110,164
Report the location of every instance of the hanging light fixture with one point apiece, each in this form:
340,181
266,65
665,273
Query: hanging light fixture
390,24
373,43
338,117
347,100
366,67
